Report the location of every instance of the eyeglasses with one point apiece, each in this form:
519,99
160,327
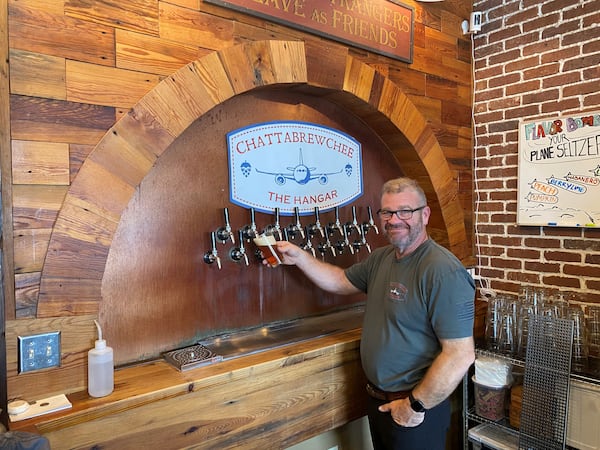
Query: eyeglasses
400,214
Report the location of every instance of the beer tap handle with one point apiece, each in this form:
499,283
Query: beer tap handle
275,228
225,233
239,253
298,224
329,246
336,225
363,239
212,255
347,241
308,244
354,224
277,225
371,221
249,231
318,225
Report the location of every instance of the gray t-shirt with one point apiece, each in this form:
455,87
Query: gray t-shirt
411,303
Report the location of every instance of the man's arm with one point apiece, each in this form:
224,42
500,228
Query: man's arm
327,276
442,377
446,371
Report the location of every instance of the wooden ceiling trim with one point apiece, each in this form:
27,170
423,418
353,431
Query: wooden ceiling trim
85,226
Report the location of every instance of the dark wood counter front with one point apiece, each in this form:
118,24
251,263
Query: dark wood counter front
272,399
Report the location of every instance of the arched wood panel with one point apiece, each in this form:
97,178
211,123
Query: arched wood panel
81,239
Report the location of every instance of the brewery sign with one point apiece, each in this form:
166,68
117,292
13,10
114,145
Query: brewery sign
289,165
382,26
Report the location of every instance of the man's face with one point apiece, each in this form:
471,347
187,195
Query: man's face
408,233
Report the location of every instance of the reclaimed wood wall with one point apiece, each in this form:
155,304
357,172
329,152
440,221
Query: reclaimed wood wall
77,67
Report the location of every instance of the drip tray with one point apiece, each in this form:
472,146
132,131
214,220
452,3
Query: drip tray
255,340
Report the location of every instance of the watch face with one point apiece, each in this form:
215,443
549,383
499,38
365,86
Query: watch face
416,405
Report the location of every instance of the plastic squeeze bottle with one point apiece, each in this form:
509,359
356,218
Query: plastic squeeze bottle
100,367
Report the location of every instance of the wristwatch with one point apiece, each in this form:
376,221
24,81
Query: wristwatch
416,405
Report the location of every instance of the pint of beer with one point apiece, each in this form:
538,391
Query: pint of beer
266,244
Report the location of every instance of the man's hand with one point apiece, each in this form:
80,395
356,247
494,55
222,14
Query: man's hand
402,413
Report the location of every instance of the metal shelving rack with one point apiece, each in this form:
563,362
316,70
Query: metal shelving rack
469,414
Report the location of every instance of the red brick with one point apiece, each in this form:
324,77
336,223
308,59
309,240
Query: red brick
562,106
543,243
561,80
503,57
582,271
562,256
542,267
587,34
581,88
539,97
585,245
561,29
523,253
581,63
561,281
519,88
523,277
541,71
559,54
541,22
591,100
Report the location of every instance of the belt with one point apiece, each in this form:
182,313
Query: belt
386,396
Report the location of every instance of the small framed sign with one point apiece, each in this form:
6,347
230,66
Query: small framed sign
559,171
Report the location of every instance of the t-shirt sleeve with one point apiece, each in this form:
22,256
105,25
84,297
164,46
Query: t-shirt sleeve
452,306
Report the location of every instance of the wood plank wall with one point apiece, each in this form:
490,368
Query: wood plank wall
77,67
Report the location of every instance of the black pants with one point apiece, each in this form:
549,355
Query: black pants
429,435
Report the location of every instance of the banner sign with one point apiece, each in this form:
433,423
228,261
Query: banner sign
293,164
381,26
559,171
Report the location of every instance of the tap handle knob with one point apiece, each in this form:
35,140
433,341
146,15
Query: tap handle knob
241,238
318,225
371,221
277,213
298,224
253,219
212,255
308,244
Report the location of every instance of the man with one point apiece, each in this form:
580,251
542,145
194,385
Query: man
417,339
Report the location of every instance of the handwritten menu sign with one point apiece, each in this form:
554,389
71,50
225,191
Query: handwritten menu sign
382,26
559,171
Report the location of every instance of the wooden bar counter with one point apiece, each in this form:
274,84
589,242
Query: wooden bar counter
271,399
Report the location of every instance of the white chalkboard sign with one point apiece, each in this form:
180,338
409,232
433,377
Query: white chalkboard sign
559,171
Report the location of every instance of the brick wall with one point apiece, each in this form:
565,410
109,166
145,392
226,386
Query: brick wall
532,59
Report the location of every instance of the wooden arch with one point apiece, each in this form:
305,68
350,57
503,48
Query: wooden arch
80,242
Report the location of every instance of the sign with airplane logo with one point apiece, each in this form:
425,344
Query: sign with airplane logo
289,165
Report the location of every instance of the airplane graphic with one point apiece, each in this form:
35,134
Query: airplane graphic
302,174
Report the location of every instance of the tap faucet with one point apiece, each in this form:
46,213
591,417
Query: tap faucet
312,229
225,233
295,228
324,246
344,243
239,253
362,242
353,225
274,228
249,231
337,225
308,244
212,255
370,225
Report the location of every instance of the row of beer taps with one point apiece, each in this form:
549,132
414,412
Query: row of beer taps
334,238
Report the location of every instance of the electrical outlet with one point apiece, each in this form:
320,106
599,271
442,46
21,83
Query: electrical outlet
39,351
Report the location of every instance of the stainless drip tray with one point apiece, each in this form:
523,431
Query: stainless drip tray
255,340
